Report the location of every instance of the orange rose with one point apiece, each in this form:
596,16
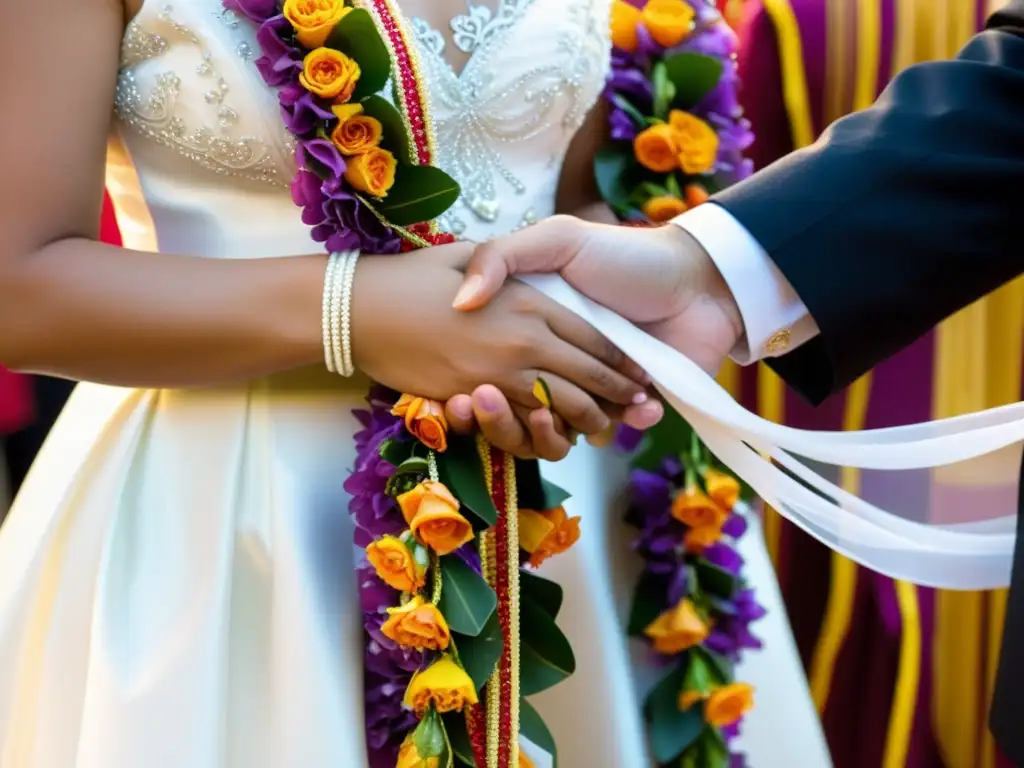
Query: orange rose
313,20
698,539
723,489
409,756
677,629
524,761
688,698
417,624
695,195
656,148
728,704
372,172
548,533
329,74
444,684
433,515
697,142
357,134
624,18
668,21
663,208
693,507
396,565
425,421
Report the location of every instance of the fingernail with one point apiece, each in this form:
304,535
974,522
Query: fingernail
461,406
467,291
488,401
640,398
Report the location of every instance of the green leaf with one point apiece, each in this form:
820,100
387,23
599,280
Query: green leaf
533,490
458,736
414,465
429,735
716,581
545,594
395,137
532,726
357,37
694,76
650,189
672,186
395,451
648,603
546,657
462,472
635,114
479,655
467,601
420,193
700,675
664,89
611,165
671,730
721,668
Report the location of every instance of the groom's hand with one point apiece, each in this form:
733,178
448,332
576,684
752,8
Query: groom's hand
659,278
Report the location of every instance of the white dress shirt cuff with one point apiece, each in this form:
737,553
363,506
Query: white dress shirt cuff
775,320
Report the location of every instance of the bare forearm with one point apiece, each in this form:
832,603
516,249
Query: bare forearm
84,310
597,212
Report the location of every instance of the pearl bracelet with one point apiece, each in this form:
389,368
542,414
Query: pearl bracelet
337,312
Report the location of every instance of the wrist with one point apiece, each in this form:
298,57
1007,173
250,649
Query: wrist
697,280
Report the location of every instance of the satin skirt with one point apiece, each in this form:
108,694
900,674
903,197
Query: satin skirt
177,589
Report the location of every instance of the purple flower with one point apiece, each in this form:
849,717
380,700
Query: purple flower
735,526
724,556
322,152
626,438
256,10
281,61
301,111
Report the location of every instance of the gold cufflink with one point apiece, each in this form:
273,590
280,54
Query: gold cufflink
778,341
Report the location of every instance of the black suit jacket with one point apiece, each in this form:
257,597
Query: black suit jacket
899,216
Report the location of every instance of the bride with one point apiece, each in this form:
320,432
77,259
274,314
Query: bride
176,576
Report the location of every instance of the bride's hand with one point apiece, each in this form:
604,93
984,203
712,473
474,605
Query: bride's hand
406,335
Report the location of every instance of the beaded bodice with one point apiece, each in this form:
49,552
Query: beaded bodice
204,162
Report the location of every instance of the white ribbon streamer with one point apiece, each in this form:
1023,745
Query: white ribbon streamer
971,555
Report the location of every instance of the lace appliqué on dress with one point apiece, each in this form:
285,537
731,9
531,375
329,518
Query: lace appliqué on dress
152,111
483,111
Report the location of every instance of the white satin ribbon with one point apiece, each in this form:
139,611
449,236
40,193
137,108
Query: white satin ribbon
975,555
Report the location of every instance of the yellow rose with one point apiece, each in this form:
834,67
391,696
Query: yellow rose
409,756
433,515
668,21
396,565
546,534
695,195
663,208
357,134
698,539
313,20
624,18
656,148
697,142
677,629
372,172
723,489
329,74
728,704
425,421
417,624
444,684
695,508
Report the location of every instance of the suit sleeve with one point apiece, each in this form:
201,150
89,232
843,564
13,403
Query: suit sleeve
902,214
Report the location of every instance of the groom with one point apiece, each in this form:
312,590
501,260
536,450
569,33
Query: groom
828,261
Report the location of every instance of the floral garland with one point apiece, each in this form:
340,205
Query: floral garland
677,136
447,523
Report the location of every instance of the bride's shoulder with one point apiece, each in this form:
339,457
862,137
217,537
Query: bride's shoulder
131,8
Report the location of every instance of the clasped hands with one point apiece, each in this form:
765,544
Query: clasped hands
484,353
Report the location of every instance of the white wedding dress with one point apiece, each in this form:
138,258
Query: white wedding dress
177,575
